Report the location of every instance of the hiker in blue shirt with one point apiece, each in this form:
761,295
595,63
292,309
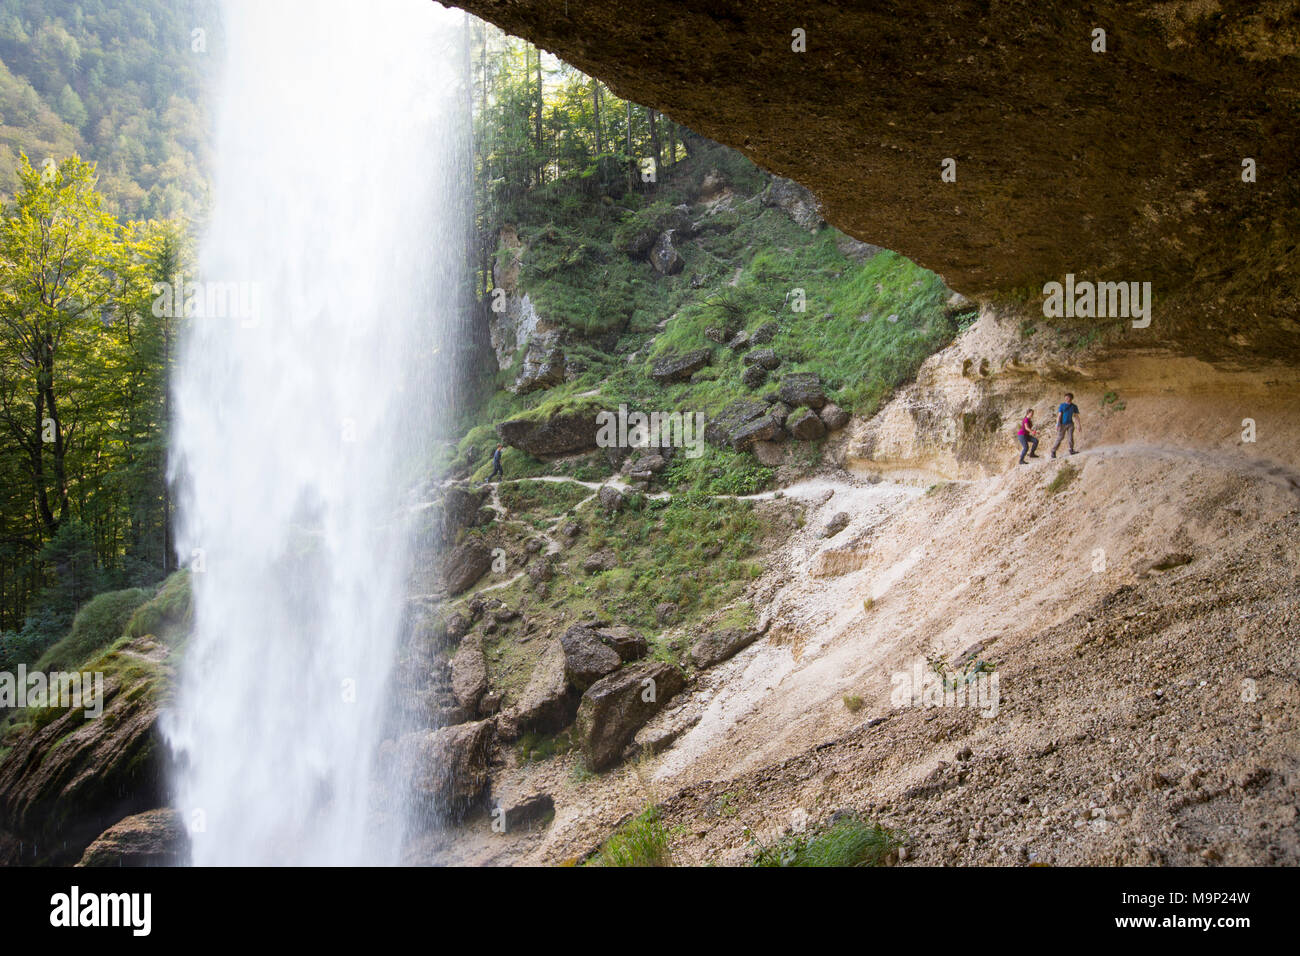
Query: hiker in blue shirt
496,463
1067,413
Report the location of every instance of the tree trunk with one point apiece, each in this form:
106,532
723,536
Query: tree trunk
595,103
654,142
541,161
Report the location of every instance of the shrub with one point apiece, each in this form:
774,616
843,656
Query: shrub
100,622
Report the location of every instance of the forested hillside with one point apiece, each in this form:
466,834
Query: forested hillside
117,81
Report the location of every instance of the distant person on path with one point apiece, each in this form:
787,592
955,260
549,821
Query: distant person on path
496,463
1066,415
1028,437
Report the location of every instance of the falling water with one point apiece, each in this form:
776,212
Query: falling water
303,410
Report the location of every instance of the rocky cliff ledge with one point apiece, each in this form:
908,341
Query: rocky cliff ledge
1122,165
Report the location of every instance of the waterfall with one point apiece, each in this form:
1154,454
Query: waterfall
312,376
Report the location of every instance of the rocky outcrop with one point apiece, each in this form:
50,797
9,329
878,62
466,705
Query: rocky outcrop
464,565
1022,99
64,783
469,674
664,255
795,201
586,657
615,707
152,838
560,433
449,766
542,366
547,705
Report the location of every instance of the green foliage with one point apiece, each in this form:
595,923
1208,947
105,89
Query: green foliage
719,471
100,622
849,841
115,80
168,614
642,841
1063,479
83,501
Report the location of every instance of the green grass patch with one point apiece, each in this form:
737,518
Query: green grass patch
850,841
642,841
1063,479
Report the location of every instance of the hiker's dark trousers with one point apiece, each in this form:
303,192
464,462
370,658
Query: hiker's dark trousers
1028,446
1061,432
496,470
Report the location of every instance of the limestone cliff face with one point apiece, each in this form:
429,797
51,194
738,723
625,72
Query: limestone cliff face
1121,165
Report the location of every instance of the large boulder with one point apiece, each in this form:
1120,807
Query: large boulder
560,433
717,646
449,766
664,255
802,388
65,781
720,429
542,366
834,417
152,838
795,201
464,565
469,674
627,643
615,707
547,704
677,368
806,425
760,429
586,657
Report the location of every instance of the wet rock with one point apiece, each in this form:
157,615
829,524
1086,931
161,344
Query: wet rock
449,765
765,333
740,341
615,707
152,838
523,813
754,377
463,567
64,784
763,358
610,498
469,674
